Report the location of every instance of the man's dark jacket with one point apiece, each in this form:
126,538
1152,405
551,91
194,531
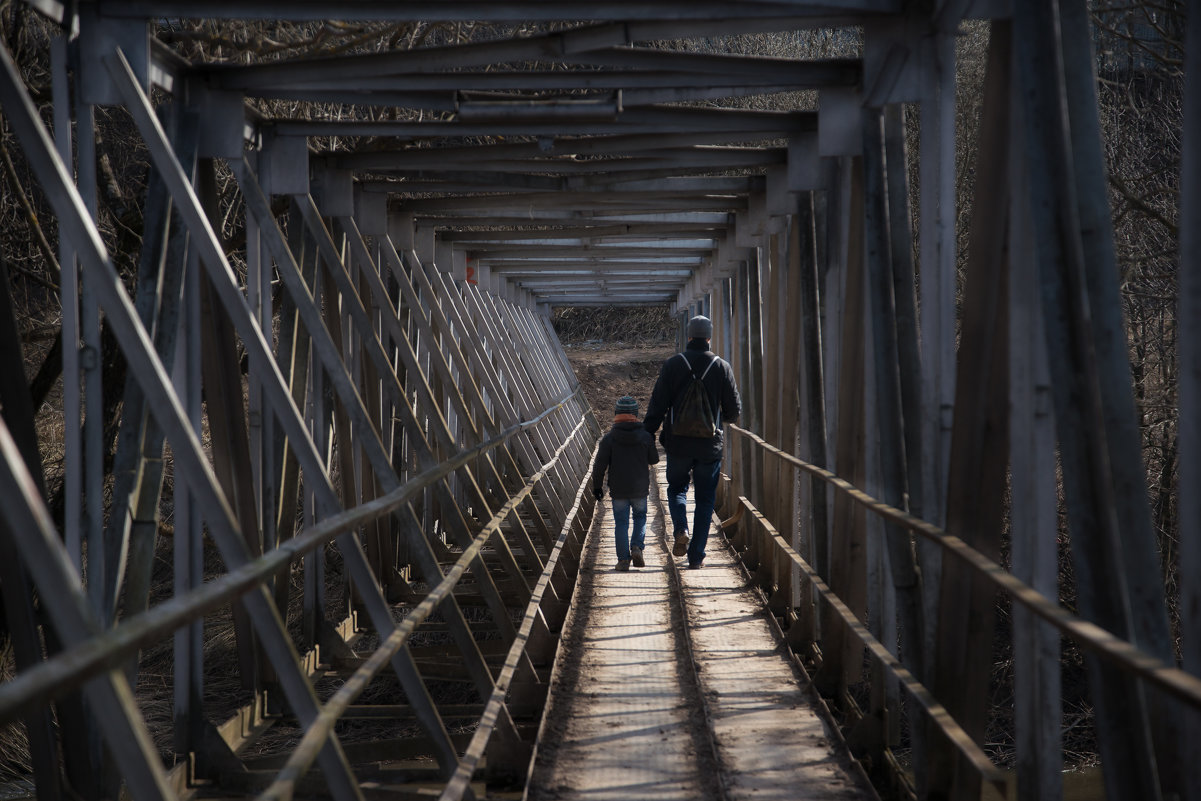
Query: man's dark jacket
626,452
674,378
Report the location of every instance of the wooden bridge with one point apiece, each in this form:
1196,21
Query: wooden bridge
338,330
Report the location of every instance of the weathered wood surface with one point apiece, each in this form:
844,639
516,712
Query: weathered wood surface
404,386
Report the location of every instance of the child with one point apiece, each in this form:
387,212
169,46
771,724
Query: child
626,452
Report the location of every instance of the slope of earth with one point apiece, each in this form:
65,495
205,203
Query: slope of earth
607,372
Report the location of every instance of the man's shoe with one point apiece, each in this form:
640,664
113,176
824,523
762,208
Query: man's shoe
636,557
680,548
623,565
695,565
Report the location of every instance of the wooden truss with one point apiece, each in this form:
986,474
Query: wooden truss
407,416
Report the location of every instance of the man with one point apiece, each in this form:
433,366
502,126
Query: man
695,458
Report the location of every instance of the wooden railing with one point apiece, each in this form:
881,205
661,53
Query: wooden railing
817,616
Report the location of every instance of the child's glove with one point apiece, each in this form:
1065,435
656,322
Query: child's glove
598,493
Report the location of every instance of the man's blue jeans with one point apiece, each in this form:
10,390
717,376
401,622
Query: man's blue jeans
621,524
703,475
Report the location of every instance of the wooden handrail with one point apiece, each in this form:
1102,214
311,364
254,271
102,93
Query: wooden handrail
934,710
71,668
1172,680
316,735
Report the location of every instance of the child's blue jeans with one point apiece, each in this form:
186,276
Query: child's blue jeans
621,525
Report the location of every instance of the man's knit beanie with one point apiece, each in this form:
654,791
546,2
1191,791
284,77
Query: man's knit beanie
700,327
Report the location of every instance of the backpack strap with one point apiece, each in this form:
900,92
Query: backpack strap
692,370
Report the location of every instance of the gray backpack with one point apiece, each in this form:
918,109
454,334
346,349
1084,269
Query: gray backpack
692,416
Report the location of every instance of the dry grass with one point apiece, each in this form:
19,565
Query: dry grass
615,325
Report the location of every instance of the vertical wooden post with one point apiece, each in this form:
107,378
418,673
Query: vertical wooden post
979,444
1189,401
1102,592
1038,704
847,547
769,498
15,585
78,763
91,362
939,212
788,399
752,397
1140,556
889,416
741,365
188,550
813,381
905,300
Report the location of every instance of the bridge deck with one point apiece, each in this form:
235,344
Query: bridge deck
626,719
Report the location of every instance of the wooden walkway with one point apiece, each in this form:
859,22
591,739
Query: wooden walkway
626,715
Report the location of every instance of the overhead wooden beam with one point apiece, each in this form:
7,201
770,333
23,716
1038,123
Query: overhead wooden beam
482,10
627,68
656,120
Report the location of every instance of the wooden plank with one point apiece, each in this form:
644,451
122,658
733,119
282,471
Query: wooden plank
29,522
1188,346
128,460
894,604
978,465
812,403
889,412
15,587
292,356
230,441
773,325
91,361
905,301
937,235
187,555
1140,549
1038,701
789,399
752,390
145,493
847,547
480,739
1102,594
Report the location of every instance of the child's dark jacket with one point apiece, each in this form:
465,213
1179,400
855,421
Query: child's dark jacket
627,452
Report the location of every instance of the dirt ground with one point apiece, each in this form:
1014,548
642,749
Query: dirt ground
609,371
